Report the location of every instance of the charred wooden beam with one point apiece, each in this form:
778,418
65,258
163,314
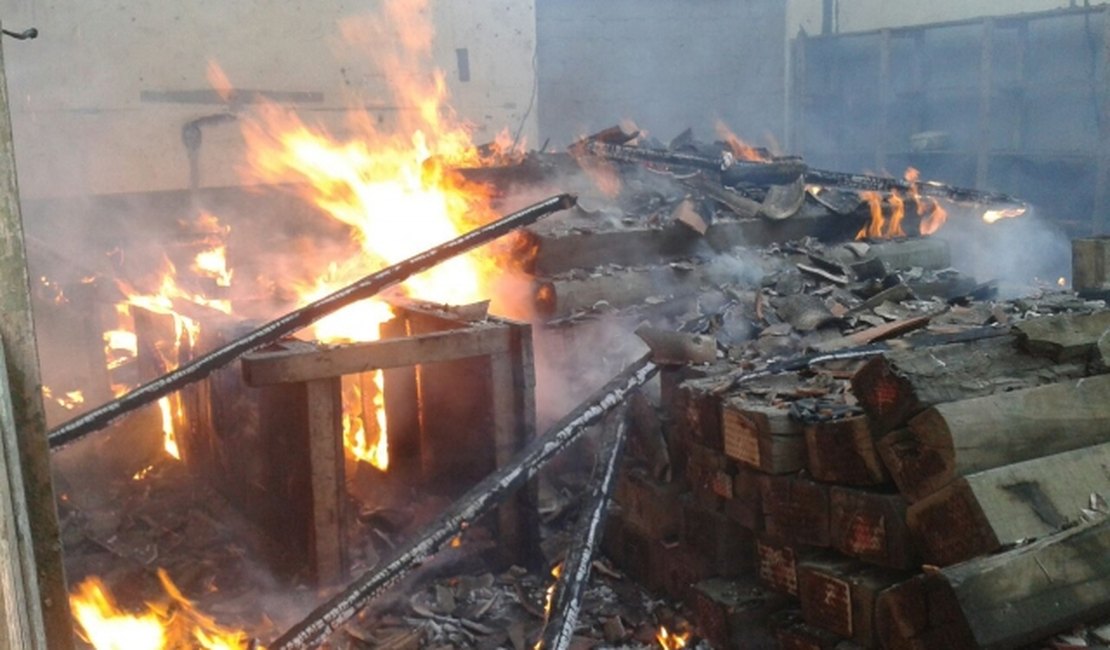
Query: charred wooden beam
1003,601
367,287
982,512
900,384
478,501
575,577
959,438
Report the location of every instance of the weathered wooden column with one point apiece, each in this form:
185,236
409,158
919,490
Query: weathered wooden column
33,600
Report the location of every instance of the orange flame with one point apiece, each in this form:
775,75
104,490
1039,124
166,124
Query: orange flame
877,226
742,150
69,401
670,641
172,625
394,190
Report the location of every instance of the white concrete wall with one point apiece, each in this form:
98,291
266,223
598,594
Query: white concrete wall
863,15
82,127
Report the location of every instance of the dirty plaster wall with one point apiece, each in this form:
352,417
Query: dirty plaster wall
97,105
665,65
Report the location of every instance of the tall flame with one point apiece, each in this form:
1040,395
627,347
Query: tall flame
395,191
669,640
742,150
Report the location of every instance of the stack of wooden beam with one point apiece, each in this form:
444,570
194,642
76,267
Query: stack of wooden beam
932,496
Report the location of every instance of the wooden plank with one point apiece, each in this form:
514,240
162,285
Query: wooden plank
871,526
763,437
839,595
777,565
732,613
650,506
289,366
960,438
696,414
1067,337
724,544
746,505
796,509
1004,601
844,451
709,473
900,384
982,512
328,480
37,584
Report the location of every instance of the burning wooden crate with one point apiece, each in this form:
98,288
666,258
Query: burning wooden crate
446,396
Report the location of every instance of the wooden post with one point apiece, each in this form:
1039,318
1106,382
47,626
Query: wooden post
327,542
1102,180
33,599
883,101
986,85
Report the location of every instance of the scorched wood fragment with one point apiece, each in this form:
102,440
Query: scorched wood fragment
980,513
1006,600
959,438
897,385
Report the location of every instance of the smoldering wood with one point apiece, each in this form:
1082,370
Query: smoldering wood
899,384
266,367
1006,600
566,602
929,253
865,183
982,512
1063,338
959,438
559,297
367,287
476,502
672,347
871,526
882,332
582,243
844,451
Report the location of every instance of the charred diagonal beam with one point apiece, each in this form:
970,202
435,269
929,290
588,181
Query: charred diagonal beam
784,170
478,501
867,183
575,577
367,287
777,171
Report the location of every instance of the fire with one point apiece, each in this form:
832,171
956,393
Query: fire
994,216
550,593
396,192
739,148
121,343
213,263
171,625
69,401
669,641
876,228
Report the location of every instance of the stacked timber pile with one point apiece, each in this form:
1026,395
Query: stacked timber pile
895,470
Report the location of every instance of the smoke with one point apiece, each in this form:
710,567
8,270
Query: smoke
1019,253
